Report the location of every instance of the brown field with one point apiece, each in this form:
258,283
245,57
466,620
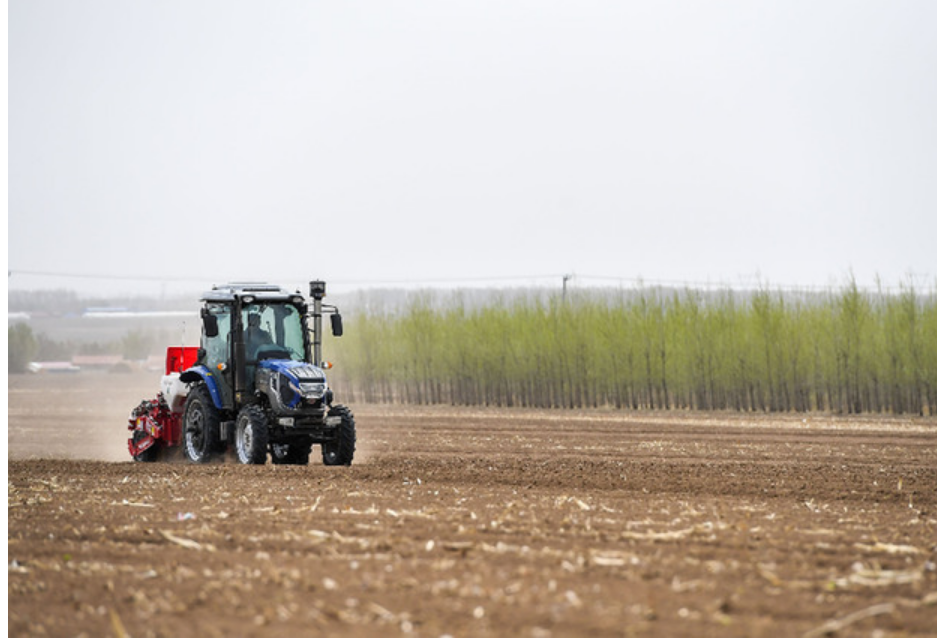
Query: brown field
474,522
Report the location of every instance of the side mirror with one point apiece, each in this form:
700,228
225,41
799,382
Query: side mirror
210,323
337,329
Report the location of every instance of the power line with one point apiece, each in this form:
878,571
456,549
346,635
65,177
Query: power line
561,279
443,280
107,277
342,282
757,283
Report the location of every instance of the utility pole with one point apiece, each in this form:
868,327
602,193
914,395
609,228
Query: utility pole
566,278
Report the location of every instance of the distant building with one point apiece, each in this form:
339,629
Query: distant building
97,361
105,311
52,366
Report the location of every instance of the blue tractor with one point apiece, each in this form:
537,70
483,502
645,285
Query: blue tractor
258,385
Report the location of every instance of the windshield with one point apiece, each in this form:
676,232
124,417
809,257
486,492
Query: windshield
273,330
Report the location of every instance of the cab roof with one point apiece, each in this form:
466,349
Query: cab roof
261,291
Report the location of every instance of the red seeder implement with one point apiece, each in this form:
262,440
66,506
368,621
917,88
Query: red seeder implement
156,424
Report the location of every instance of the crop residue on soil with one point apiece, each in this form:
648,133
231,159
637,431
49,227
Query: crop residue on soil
476,522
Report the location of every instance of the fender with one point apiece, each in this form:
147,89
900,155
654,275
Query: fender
201,373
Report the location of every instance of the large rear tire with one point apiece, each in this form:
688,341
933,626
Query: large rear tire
341,451
251,435
200,430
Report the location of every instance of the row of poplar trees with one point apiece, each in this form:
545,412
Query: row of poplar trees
846,351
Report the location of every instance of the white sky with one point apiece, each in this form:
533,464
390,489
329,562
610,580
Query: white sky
374,141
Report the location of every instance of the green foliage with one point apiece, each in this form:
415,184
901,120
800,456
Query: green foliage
26,346
847,351
22,347
94,348
52,350
136,345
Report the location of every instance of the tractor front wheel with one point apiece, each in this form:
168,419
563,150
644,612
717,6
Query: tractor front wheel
251,435
200,430
341,450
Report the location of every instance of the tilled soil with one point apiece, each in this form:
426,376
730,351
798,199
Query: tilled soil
474,522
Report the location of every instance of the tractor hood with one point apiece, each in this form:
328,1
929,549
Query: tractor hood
300,370
291,383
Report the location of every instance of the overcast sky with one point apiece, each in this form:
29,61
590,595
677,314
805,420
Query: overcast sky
369,142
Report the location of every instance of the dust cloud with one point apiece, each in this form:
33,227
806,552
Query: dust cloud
74,416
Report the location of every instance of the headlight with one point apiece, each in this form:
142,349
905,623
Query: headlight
309,390
313,390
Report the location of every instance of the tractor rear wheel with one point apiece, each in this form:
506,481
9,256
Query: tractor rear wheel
341,450
251,435
200,426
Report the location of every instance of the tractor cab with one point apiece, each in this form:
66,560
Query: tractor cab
244,325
